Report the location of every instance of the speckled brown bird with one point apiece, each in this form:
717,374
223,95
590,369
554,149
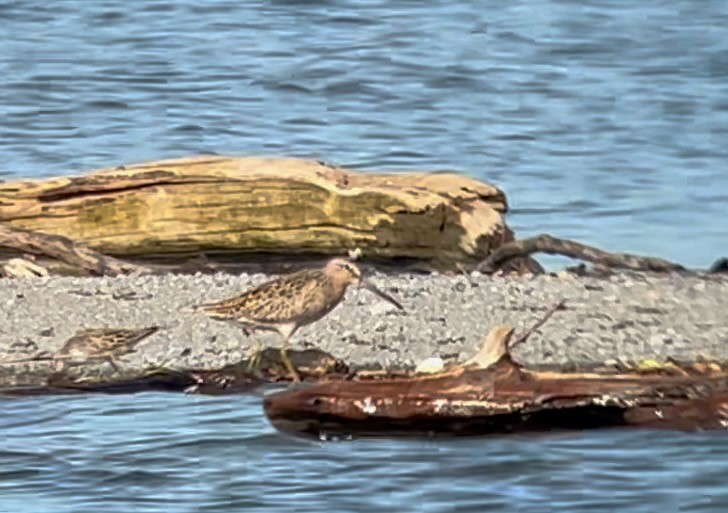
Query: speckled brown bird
103,344
291,301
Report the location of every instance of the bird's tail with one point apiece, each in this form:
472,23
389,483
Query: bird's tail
215,310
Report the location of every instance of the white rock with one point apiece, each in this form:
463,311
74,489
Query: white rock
430,365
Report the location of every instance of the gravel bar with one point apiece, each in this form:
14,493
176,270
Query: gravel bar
626,316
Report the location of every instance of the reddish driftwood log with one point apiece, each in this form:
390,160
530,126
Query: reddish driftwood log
503,398
551,245
65,250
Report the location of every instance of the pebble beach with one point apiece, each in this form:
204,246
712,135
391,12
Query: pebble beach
626,316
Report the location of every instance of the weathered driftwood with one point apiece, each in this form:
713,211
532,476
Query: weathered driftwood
63,249
491,394
551,245
263,206
501,399
22,268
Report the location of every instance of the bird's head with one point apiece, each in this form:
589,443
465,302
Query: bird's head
346,272
342,270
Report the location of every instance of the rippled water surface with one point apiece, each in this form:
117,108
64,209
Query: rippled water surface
602,121
219,454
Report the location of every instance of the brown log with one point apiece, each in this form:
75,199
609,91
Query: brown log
498,400
545,243
65,250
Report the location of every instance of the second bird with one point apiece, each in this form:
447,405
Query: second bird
291,301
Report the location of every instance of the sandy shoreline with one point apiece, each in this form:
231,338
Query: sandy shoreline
627,316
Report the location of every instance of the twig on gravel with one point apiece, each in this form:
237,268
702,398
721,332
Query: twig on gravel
545,243
561,305
64,249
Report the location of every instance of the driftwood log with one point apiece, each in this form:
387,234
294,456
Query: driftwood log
62,249
502,399
258,208
491,394
21,268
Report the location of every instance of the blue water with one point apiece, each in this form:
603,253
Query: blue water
218,454
606,122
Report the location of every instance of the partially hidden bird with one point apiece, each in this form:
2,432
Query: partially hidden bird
102,344
291,301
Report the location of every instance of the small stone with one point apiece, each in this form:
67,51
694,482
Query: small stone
430,366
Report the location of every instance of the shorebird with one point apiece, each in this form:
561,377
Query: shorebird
104,344
286,303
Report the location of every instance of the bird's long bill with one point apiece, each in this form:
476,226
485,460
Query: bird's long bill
381,293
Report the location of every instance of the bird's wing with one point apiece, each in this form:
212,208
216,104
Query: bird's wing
120,338
270,302
105,340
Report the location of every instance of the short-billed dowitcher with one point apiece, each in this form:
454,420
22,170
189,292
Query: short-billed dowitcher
103,344
286,303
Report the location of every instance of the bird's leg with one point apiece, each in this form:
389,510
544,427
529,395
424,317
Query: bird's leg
284,354
254,353
287,362
110,360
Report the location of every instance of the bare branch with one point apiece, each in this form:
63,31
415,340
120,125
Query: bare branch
551,245
561,305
